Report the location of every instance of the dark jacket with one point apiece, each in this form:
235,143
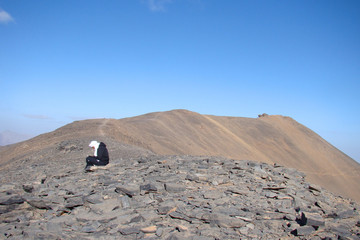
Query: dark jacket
102,153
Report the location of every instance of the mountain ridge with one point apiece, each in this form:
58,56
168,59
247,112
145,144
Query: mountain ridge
272,139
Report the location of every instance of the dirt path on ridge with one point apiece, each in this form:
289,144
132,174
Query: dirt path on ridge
102,126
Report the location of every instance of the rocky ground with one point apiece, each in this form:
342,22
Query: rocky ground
145,196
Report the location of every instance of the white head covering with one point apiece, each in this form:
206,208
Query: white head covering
94,144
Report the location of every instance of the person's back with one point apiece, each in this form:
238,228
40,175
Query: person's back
101,155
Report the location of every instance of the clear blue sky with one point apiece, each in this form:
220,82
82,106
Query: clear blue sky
65,60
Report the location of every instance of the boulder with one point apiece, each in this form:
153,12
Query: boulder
11,199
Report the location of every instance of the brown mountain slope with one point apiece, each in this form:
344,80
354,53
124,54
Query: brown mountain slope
270,139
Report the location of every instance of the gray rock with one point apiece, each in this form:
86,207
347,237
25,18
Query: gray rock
165,209
6,208
271,195
38,203
174,188
311,219
347,214
213,194
192,177
303,231
93,199
130,190
28,188
136,219
223,220
341,231
148,188
7,187
74,202
125,202
11,199
88,229
107,220
53,227
129,231
180,215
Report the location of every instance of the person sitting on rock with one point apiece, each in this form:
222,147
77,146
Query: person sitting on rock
101,155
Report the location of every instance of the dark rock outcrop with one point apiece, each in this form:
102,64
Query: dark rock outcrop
170,197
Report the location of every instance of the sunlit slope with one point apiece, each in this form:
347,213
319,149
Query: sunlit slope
271,139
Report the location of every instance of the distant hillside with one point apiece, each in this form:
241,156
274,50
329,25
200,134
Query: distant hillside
270,139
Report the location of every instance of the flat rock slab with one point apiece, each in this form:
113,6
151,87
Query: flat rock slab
74,202
303,231
312,219
130,190
9,200
129,231
39,203
174,187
